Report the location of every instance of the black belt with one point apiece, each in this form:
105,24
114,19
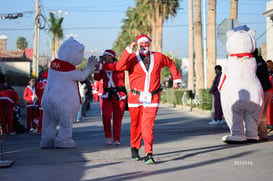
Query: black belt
153,93
114,90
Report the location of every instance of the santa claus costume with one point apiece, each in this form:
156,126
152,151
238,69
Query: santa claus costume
40,87
113,99
8,99
144,69
31,98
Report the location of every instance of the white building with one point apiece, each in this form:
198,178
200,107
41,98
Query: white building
269,34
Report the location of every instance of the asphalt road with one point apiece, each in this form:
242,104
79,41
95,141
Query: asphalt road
186,148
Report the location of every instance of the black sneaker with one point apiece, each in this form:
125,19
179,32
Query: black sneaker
135,155
149,159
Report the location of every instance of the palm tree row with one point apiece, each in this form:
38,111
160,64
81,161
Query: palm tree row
146,17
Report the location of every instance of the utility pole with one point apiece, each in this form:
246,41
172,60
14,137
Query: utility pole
234,9
35,61
191,74
205,44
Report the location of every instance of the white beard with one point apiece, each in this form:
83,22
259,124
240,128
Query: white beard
143,50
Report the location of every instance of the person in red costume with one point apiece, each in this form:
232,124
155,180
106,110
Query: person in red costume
95,92
40,87
144,69
8,100
31,98
113,98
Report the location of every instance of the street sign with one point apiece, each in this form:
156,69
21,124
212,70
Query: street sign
227,24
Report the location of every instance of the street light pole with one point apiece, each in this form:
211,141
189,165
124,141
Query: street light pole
60,12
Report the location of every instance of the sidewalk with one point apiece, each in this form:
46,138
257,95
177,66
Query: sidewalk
186,147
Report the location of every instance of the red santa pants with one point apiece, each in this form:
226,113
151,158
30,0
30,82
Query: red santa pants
6,108
142,124
95,97
31,115
116,108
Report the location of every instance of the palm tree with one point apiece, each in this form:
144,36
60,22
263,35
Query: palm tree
211,41
57,33
21,43
199,65
133,25
146,18
191,46
158,11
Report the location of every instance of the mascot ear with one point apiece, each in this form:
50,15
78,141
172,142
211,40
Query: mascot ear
252,32
229,33
80,47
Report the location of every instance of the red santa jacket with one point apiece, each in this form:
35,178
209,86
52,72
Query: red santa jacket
9,95
112,80
40,87
28,96
142,80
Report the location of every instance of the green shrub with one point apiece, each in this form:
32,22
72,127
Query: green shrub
205,99
178,96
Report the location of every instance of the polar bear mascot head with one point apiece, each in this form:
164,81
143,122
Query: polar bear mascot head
71,51
241,40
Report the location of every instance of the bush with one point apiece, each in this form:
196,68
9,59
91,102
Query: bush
178,96
205,99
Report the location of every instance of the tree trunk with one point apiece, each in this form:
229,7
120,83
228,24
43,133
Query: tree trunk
199,66
211,41
158,31
234,9
53,47
191,46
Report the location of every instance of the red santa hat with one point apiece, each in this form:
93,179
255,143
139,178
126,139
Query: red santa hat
45,75
144,38
109,52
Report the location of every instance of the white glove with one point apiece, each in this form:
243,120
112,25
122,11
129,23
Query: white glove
92,61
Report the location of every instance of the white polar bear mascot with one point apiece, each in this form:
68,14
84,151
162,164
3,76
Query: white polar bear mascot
241,91
61,101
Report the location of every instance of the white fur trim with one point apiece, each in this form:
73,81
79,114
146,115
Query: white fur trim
148,73
143,39
177,81
108,53
123,97
7,98
129,50
100,66
145,105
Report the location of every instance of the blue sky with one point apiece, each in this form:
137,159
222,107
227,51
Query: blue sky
97,24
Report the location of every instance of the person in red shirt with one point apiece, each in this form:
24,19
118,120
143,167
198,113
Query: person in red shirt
8,100
31,98
144,68
113,98
40,87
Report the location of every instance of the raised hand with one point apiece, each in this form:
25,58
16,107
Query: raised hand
132,45
175,85
92,61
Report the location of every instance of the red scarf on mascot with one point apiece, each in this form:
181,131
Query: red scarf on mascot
62,66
